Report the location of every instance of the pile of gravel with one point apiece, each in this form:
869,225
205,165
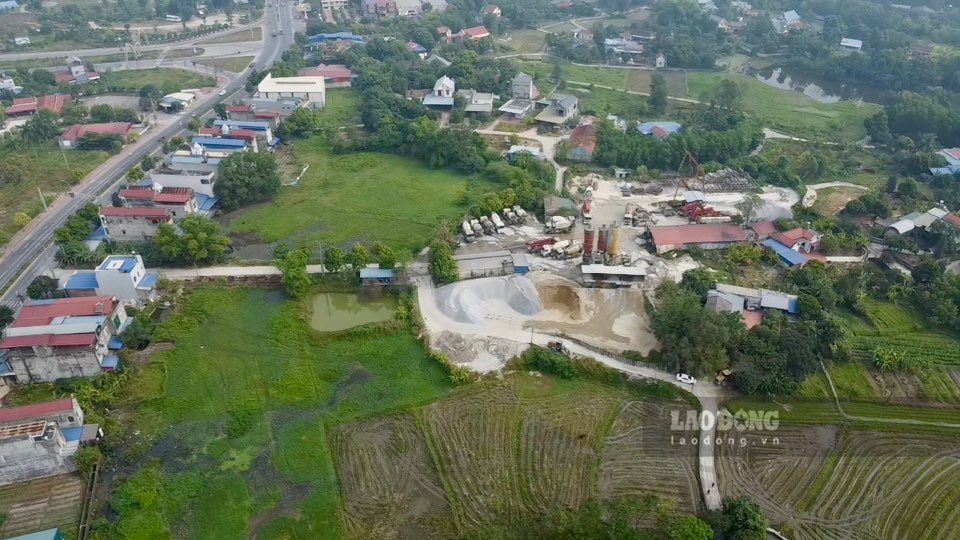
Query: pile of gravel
473,301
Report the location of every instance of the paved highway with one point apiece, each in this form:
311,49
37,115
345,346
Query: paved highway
31,252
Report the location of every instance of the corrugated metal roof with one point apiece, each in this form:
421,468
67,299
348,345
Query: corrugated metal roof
672,235
789,256
81,280
49,340
376,273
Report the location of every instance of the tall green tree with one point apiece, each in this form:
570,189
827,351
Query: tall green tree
386,258
334,259
739,519
658,94
43,287
358,257
295,279
247,177
200,241
6,316
443,267
102,113
41,128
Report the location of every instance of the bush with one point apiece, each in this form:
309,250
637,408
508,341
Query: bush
547,361
86,458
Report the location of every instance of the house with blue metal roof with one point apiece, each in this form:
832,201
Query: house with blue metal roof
264,130
317,39
121,276
220,145
377,277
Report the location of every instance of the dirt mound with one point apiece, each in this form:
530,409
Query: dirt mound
502,298
561,298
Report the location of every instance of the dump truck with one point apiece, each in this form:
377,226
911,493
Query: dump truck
497,222
520,212
559,224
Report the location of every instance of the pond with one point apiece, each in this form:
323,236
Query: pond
333,312
821,89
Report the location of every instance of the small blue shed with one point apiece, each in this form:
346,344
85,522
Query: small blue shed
520,263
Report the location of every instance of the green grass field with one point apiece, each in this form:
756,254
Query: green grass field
792,112
524,41
238,410
43,168
616,78
166,79
357,198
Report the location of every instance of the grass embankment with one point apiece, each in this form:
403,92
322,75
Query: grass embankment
166,79
792,113
247,34
636,80
240,407
364,197
235,64
43,167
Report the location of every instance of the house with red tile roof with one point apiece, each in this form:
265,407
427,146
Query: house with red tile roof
334,75
61,338
799,239
490,9
30,105
474,33
583,141
69,137
180,202
129,224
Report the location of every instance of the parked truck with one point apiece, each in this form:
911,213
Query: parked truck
467,231
538,244
573,250
585,212
559,247
487,225
497,222
477,229
559,224
628,215
520,212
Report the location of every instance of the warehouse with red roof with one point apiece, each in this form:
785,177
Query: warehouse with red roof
669,238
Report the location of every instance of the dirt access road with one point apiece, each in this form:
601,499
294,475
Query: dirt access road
436,322
549,148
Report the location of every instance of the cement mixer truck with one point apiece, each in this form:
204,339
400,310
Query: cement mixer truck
556,249
572,251
559,224
497,222
487,225
477,229
520,212
467,231
510,216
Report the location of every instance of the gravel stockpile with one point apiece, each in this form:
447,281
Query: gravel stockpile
473,301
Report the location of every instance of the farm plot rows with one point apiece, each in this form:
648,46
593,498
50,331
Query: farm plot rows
501,451
661,466
775,468
922,348
855,484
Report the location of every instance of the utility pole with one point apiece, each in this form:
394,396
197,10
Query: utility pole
42,200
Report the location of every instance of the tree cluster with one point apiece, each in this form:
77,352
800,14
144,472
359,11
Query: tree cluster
246,178
199,242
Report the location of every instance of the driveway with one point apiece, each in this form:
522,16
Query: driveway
549,145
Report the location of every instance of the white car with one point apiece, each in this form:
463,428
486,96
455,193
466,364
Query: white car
223,92
687,379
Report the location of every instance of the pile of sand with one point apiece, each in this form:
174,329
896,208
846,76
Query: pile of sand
505,298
